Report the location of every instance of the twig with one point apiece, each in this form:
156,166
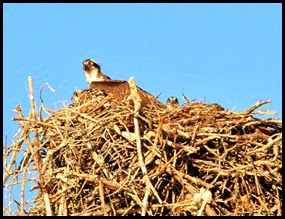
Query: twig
102,198
15,153
37,157
137,103
254,107
23,188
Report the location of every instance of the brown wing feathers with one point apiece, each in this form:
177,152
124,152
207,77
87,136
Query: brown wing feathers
120,90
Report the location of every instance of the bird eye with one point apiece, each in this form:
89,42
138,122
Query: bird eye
91,63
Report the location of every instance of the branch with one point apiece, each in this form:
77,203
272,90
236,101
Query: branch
36,155
254,107
137,106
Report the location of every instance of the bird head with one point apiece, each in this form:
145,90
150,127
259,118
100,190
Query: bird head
172,101
90,64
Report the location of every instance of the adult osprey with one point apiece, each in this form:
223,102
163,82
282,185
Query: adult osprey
119,89
92,71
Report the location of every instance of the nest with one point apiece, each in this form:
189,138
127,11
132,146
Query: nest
98,156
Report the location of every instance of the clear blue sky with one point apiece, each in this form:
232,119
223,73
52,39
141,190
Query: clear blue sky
228,54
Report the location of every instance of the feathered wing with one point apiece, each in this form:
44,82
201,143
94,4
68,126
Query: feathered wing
120,89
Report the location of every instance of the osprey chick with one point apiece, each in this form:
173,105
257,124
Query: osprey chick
171,102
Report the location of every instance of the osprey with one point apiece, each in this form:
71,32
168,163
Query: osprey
92,71
119,89
172,102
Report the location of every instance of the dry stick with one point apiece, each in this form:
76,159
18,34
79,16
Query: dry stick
254,107
153,153
42,101
62,211
145,202
62,208
6,211
102,198
23,188
13,158
32,115
137,106
36,156
34,121
18,144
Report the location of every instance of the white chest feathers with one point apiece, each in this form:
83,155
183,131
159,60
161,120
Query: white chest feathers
93,75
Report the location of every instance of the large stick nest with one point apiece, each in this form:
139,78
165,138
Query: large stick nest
200,159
